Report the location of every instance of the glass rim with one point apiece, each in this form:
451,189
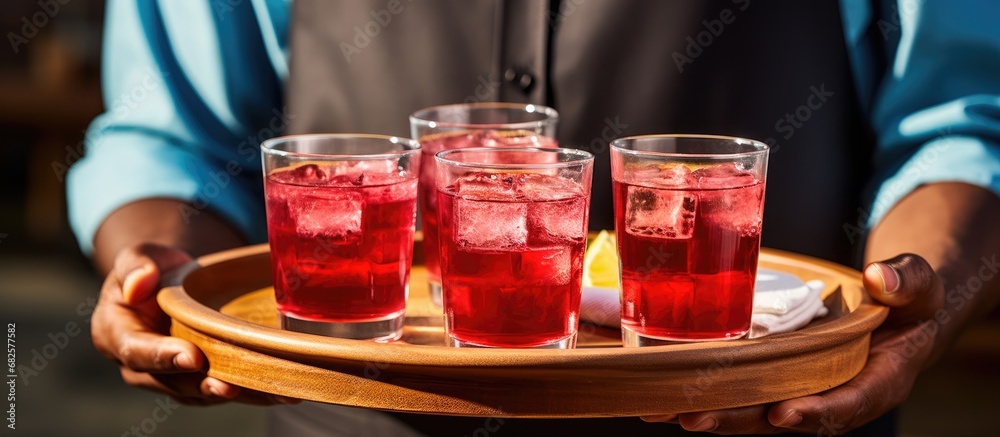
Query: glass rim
761,147
551,116
411,147
582,158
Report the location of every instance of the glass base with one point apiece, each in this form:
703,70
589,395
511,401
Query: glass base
632,338
436,293
566,343
382,331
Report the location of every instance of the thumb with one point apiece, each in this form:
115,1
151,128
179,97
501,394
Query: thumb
139,268
907,283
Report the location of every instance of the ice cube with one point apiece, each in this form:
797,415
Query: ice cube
542,187
737,209
356,169
508,138
546,266
561,221
487,186
489,212
329,212
660,213
557,207
732,199
405,191
308,174
490,225
677,176
728,175
460,140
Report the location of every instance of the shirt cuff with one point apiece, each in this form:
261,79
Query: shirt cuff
947,159
123,167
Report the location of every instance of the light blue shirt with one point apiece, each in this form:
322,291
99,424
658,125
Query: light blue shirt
184,118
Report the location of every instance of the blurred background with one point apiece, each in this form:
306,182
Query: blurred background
49,92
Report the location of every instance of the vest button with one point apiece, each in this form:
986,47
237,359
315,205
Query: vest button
520,79
511,75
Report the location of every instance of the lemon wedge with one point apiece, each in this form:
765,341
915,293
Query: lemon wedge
600,264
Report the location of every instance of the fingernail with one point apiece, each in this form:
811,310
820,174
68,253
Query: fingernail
289,401
792,418
185,362
890,278
706,424
218,388
128,285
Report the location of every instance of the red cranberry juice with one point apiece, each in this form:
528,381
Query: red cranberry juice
512,256
688,251
432,144
341,242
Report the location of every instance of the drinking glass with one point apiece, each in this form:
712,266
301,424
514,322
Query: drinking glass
513,229
688,212
340,220
487,124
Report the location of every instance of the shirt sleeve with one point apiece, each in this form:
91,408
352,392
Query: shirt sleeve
190,90
935,106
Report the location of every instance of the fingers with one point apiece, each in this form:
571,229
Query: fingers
881,386
144,351
128,328
908,284
137,269
746,420
661,418
185,385
130,334
127,335
898,350
199,389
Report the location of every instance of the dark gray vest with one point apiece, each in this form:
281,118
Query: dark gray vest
776,71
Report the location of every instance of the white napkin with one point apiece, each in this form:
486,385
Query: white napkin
601,306
782,303
778,308
778,292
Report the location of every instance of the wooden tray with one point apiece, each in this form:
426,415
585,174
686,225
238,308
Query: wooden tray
226,307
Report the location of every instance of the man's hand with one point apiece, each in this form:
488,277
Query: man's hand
900,348
129,328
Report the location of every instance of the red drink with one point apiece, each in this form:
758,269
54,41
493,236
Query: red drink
688,243
512,256
341,240
432,144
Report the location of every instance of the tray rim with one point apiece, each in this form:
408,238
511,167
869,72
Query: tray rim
180,306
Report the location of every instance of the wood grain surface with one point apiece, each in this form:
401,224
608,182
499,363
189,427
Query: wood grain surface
227,308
